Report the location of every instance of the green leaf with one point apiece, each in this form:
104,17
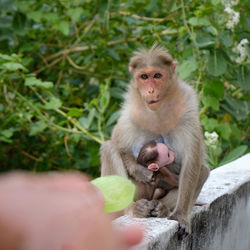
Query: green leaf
54,103
83,122
19,23
116,92
210,101
104,101
217,64
205,40
51,17
187,68
226,39
37,128
35,15
244,79
7,133
113,118
4,139
216,2
118,192
5,22
74,112
75,13
199,21
32,81
4,4
209,124
214,88
113,54
13,66
91,117
234,154
212,30
65,3
224,130
5,57
237,108
63,27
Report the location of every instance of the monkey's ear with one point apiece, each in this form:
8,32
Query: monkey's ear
153,166
133,64
165,59
130,68
174,64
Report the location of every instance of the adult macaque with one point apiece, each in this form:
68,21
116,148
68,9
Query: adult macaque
156,104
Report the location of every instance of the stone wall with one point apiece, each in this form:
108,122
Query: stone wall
223,223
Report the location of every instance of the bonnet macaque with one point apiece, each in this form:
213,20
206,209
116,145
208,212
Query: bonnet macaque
155,156
158,103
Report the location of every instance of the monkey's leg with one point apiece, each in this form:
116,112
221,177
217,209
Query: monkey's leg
170,199
111,161
190,175
203,177
178,214
158,193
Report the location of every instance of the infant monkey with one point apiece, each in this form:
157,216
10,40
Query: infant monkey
155,156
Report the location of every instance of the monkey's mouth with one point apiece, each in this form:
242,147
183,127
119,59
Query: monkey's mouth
153,102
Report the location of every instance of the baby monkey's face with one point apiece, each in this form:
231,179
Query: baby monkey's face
166,156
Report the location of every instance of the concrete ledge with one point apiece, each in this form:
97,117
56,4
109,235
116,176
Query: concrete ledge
223,223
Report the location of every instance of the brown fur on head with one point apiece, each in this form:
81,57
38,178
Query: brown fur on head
156,56
148,154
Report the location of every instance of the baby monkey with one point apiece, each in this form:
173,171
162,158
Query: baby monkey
155,156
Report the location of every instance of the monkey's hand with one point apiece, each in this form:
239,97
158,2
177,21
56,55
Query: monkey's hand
184,224
137,171
144,175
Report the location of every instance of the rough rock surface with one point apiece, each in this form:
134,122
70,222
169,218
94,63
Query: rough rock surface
223,223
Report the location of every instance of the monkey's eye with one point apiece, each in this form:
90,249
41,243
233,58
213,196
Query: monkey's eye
157,75
144,76
168,155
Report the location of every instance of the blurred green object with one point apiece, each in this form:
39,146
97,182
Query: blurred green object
118,192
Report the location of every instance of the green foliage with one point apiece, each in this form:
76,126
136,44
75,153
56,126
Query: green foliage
63,71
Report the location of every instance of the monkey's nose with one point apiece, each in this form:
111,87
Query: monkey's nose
151,91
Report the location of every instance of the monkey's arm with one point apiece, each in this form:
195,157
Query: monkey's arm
123,142
137,171
169,177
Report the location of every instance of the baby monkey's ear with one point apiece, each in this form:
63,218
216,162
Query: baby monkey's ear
153,167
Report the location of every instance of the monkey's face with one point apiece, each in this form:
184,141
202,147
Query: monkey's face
165,155
151,83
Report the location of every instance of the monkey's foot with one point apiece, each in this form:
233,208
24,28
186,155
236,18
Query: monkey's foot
159,209
184,226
